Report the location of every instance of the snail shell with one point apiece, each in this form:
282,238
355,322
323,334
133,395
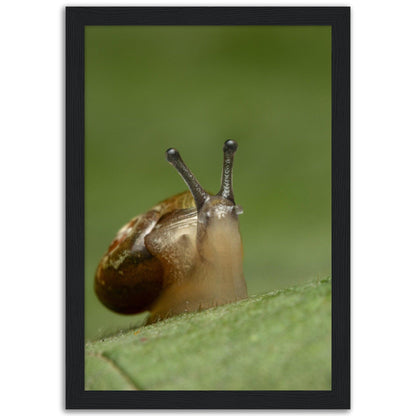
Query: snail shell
185,254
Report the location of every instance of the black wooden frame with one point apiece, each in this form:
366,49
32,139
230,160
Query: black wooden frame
76,20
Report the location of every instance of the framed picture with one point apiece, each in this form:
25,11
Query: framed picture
162,308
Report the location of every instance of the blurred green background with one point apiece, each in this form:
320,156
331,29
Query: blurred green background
148,88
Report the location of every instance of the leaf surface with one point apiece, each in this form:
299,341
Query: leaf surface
277,341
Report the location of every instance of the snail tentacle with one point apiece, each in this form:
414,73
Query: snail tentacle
198,192
226,191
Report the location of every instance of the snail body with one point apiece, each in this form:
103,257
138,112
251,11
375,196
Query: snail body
185,254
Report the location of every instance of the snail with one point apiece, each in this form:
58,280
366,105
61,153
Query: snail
184,255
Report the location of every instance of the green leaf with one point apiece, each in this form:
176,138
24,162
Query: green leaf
277,341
